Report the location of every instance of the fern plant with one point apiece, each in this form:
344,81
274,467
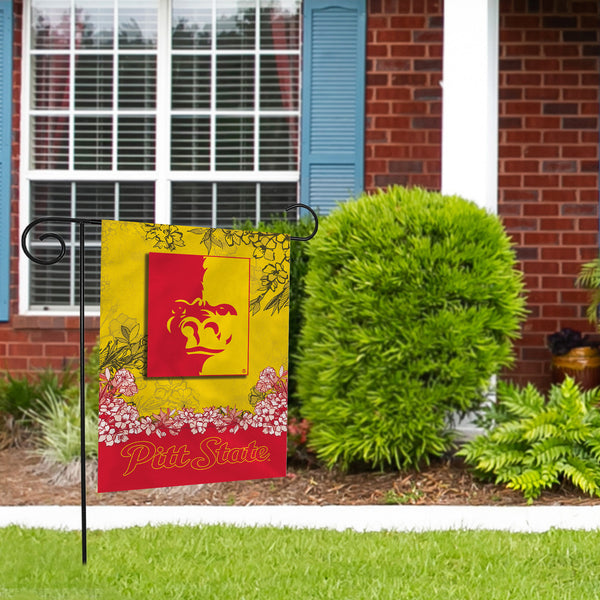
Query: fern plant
589,278
533,443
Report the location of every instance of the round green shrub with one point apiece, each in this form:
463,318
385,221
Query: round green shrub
412,303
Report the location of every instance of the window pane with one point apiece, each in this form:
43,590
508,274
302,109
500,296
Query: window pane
235,143
236,21
278,143
190,143
50,199
236,203
275,198
191,204
192,23
95,24
94,201
279,24
279,82
136,201
50,285
93,82
50,82
190,82
93,142
137,24
137,81
136,143
50,142
50,24
235,82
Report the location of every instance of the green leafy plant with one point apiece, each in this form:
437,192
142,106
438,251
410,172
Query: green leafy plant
589,278
20,394
57,417
412,303
532,443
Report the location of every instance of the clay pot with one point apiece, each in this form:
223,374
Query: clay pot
582,364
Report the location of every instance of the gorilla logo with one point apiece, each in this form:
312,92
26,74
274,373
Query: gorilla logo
206,328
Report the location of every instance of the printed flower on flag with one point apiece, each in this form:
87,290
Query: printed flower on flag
120,418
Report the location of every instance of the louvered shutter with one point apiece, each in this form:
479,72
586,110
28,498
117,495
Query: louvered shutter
333,97
5,147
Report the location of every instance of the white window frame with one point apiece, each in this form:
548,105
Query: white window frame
162,175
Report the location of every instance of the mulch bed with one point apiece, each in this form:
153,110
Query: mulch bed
25,481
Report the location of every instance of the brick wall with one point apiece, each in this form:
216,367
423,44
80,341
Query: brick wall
404,97
548,171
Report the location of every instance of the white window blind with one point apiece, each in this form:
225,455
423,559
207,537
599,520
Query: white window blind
182,111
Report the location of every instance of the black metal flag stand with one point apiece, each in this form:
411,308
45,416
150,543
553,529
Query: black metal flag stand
62,250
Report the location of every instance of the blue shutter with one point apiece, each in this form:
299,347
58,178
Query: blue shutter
333,102
5,151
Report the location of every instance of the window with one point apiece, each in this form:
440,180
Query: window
183,111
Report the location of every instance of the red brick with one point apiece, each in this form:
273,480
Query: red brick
574,296
50,362
14,365
408,136
543,122
409,108
560,137
377,50
378,108
580,239
61,350
392,122
541,267
542,297
563,311
25,349
392,64
579,151
392,93
561,80
541,151
406,22
559,195
541,239
49,335
580,93
541,325
541,181
521,166
392,151
559,253
523,137
577,181
523,79
587,224
521,224
540,209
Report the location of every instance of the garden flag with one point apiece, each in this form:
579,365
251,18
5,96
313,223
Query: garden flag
193,355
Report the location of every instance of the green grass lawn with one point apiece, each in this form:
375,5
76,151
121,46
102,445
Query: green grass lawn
222,562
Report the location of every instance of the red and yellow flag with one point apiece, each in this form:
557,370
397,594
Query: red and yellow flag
193,355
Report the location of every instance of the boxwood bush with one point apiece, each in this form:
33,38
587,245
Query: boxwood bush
413,301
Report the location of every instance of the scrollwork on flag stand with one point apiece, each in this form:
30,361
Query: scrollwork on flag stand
62,250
